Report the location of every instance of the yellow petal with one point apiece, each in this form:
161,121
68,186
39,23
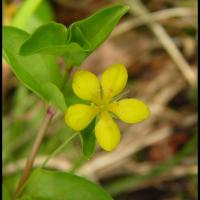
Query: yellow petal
107,132
130,110
86,86
79,116
113,81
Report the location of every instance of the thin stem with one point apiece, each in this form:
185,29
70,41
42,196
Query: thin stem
66,77
59,149
38,142
35,148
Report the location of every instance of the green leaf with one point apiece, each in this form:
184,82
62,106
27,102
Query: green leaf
5,193
89,33
34,71
83,36
54,95
88,140
51,185
48,37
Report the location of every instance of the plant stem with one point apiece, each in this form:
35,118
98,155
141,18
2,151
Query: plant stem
59,148
38,141
35,148
66,77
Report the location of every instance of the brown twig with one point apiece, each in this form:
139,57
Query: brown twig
35,148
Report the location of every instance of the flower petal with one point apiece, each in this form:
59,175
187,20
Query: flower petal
113,81
130,110
86,86
79,116
107,132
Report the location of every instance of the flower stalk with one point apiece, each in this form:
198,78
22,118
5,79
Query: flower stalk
59,148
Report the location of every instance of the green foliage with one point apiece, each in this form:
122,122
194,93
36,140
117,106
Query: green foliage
5,194
71,97
38,70
54,95
51,185
32,14
34,71
88,140
47,38
26,10
33,59
81,38
43,14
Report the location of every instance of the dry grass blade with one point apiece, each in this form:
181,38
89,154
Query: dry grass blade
136,7
155,16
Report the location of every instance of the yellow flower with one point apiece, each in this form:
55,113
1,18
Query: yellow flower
87,86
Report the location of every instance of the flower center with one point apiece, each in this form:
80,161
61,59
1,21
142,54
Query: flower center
103,107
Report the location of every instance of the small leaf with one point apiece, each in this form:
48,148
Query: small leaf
53,185
81,39
88,140
5,193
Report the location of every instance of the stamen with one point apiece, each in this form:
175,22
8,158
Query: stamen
123,94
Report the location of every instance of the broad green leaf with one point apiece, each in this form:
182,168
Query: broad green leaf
34,70
55,95
49,37
83,36
53,185
5,195
51,64
89,33
88,140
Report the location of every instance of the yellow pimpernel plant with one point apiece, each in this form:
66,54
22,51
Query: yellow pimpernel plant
101,95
